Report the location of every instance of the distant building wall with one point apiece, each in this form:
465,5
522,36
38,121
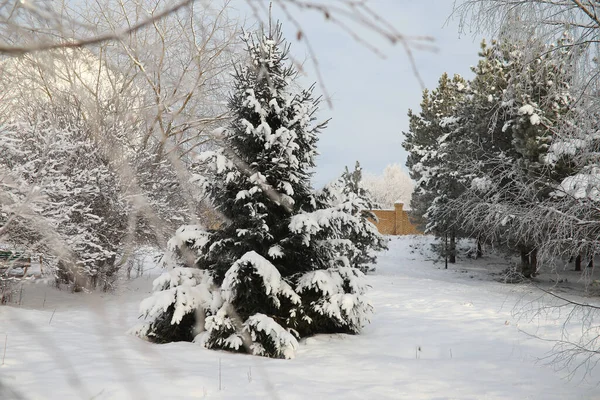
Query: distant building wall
394,222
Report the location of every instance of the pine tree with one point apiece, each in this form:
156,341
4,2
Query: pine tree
502,132
275,269
433,146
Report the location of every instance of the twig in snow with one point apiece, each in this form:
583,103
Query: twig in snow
5,341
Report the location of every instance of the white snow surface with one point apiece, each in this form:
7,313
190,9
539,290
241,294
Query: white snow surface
583,185
527,109
435,334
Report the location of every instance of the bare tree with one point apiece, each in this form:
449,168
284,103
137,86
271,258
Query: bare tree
547,20
145,102
393,186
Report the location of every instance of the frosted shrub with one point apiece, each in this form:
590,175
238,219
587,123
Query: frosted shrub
176,309
269,338
334,301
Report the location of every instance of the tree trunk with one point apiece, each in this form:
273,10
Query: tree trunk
533,262
479,249
446,249
578,262
525,266
591,263
452,248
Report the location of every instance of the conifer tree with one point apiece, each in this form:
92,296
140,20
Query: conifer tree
480,154
348,190
482,158
270,146
527,90
276,269
432,145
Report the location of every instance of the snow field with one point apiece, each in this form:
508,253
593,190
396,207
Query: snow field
435,334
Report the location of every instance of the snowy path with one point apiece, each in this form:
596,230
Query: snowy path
469,348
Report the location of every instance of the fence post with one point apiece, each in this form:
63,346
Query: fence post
399,214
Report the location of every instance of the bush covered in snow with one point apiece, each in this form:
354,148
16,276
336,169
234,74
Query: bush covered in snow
59,196
176,309
333,301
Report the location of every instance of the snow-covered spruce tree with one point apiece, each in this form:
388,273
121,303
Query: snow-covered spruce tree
348,191
276,262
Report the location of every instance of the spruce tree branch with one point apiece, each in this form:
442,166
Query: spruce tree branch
240,164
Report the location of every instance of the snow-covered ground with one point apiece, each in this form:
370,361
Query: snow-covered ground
435,334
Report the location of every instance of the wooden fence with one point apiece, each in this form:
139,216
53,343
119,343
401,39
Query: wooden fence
395,222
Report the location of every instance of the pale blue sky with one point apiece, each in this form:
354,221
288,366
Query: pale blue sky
371,96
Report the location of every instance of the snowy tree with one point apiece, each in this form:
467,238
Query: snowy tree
521,95
144,116
432,159
478,149
149,100
76,212
390,188
278,237
160,199
556,206
269,147
350,192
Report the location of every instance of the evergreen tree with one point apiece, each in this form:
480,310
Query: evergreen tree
276,269
527,89
270,147
480,154
348,190
490,161
432,145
